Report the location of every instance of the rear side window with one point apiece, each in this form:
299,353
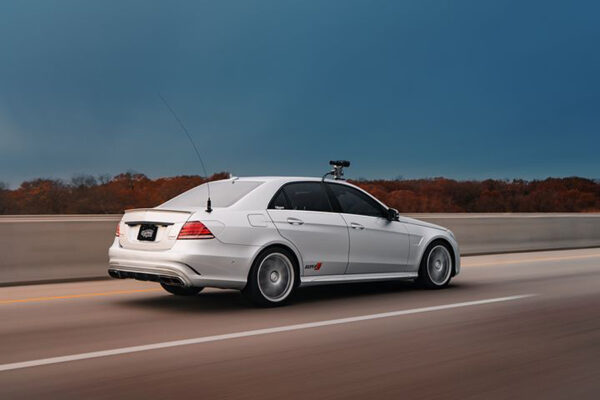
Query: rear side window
279,202
222,194
306,196
353,201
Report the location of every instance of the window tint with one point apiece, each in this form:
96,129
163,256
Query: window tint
353,201
308,196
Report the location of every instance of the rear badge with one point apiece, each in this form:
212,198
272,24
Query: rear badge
316,266
147,233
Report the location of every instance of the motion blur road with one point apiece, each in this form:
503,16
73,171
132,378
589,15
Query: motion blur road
485,341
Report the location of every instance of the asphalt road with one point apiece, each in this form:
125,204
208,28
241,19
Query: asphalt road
521,325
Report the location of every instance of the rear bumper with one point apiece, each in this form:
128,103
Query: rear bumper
141,276
198,263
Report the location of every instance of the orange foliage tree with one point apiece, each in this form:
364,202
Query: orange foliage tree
104,195
447,195
90,195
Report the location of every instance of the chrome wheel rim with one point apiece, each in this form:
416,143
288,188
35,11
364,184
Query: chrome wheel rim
275,277
439,265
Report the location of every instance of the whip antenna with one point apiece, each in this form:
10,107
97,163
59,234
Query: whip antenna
208,204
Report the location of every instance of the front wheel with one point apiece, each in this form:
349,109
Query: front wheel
181,290
272,278
436,266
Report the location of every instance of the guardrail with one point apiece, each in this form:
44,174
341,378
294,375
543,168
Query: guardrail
67,247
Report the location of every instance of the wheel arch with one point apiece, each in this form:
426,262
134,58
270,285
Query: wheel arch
453,252
297,261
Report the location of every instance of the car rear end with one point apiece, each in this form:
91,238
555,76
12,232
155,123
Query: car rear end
181,246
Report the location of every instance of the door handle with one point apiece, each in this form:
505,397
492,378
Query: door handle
354,225
294,221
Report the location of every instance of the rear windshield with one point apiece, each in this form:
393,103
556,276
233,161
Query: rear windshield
222,194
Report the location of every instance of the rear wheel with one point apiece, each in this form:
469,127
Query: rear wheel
181,290
272,278
436,266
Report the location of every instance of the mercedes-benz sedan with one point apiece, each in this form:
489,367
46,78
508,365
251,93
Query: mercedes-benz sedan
266,236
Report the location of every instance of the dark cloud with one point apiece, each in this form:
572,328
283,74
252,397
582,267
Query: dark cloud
464,89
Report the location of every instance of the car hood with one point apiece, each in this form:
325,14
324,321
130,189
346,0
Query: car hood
413,221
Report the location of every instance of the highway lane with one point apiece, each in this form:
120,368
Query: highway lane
544,346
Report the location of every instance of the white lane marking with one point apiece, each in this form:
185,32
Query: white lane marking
256,332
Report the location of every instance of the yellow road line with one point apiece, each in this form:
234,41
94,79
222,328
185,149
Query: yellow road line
75,296
525,260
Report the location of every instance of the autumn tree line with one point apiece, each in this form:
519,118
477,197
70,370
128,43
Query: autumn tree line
85,194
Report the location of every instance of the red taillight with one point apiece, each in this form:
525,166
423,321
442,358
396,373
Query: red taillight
195,230
118,232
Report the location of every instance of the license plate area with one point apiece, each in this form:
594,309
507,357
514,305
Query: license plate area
147,233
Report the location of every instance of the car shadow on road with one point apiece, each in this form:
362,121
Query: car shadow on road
211,301
351,291
233,300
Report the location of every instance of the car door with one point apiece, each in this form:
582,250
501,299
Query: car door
302,213
377,245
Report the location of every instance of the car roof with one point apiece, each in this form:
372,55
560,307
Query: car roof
284,179
261,195
273,183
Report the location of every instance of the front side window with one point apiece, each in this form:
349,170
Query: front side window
353,201
306,196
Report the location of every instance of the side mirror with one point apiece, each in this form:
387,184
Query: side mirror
392,214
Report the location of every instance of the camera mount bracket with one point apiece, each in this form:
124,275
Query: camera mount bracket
338,169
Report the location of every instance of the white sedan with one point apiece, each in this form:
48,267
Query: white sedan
266,236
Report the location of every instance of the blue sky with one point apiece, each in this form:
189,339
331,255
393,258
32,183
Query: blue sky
463,89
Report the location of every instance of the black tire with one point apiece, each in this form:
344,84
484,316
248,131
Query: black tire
278,269
436,266
181,291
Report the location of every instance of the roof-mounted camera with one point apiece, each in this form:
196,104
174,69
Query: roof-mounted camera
338,169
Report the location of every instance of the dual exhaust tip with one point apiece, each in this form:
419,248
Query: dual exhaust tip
167,280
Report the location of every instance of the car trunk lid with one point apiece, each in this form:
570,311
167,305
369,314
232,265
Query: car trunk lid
151,228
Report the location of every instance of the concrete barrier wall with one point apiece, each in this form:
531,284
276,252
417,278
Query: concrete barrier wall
504,233
47,248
